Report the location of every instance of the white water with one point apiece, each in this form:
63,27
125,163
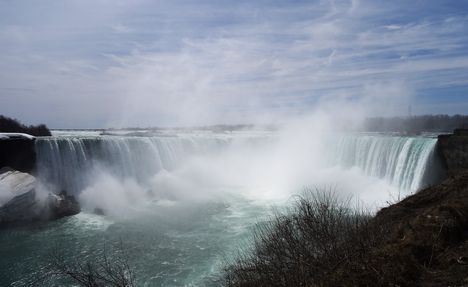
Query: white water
71,163
66,162
400,161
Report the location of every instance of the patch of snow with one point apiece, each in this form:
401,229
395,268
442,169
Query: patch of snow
14,183
16,136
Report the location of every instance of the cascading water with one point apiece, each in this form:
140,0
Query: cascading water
401,161
67,162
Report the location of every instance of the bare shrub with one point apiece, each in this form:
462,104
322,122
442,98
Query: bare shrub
310,245
111,270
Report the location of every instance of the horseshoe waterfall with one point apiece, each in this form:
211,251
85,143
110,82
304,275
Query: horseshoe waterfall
183,202
68,162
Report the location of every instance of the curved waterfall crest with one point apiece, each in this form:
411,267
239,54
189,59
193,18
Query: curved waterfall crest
401,161
67,162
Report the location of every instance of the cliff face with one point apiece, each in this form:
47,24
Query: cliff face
454,150
18,154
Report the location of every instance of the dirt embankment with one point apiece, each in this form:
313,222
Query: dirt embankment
426,242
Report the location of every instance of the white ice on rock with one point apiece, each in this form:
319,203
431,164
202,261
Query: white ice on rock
14,183
7,136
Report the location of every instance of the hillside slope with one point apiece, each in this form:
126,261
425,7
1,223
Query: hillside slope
427,235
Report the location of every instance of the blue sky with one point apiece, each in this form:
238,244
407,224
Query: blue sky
105,63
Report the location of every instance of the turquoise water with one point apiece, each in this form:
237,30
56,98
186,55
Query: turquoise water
178,245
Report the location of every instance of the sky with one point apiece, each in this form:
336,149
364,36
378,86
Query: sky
115,63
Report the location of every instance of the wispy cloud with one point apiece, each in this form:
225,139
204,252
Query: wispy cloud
180,62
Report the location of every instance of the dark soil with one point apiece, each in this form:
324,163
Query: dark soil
427,236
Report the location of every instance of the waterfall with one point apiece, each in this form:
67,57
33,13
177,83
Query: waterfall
68,162
401,161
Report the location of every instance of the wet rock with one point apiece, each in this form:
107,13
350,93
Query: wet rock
62,205
99,211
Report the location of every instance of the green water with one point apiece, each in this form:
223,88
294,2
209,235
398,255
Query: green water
174,245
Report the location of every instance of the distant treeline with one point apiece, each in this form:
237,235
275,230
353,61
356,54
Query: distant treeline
425,123
214,128
9,125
